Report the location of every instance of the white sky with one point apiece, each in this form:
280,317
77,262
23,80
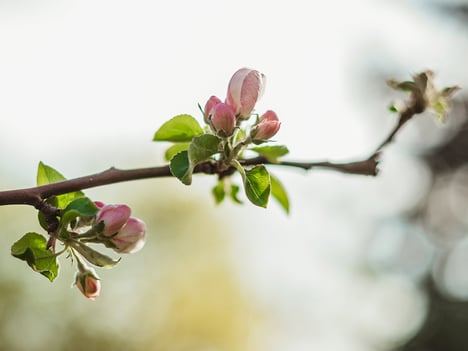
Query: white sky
76,75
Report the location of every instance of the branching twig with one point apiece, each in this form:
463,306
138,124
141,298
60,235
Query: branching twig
36,195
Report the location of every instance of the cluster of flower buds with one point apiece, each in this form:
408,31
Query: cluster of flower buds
119,231
113,227
244,90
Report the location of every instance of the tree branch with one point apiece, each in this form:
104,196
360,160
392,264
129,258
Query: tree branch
35,196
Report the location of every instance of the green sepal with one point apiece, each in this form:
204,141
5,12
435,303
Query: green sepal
47,175
271,152
279,193
175,149
181,128
92,256
32,248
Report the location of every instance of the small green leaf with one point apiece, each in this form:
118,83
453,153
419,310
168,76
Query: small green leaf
80,207
180,166
218,192
200,149
47,175
271,152
257,185
403,86
203,147
279,193
181,128
233,194
175,149
32,249
92,256
392,108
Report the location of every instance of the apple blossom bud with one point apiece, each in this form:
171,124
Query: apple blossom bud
245,88
267,126
88,283
210,104
131,238
99,204
113,217
223,119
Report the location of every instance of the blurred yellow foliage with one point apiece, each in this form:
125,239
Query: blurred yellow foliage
180,293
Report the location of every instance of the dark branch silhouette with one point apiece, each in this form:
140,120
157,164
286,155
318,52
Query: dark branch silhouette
35,196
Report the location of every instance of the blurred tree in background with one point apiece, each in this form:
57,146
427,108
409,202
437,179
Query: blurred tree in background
184,291
181,293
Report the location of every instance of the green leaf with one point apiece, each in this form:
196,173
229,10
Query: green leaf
203,147
218,192
92,256
80,207
47,175
181,128
234,192
392,108
271,152
32,249
180,166
279,193
257,185
408,86
175,149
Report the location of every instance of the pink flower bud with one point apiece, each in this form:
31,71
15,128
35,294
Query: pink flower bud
223,118
88,283
99,204
245,88
114,218
210,104
267,126
131,238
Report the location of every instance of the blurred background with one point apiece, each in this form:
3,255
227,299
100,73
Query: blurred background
360,264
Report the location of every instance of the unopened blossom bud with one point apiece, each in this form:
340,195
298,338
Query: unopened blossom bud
99,204
223,119
267,126
245,88
131,238
210,104
88,283
113,217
